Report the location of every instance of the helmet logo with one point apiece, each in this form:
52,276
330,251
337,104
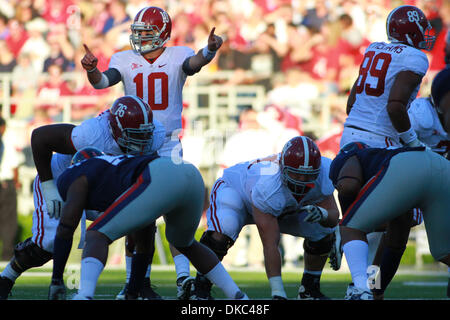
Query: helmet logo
120,110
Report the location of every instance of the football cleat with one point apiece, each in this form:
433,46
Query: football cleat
336,250
147,292
310,288
184,286
6,285
313,293
202,289
354,293
57,291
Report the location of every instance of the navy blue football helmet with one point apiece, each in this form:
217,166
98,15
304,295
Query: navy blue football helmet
86,153
439,87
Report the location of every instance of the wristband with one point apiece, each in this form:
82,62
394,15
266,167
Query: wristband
92,70
408,136
207,54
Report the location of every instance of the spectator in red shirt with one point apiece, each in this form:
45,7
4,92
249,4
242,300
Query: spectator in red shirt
17,36
54,12
51,92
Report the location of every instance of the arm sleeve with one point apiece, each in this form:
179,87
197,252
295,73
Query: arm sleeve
113,76
417,62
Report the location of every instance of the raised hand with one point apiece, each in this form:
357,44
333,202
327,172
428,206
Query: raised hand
89,61
214,41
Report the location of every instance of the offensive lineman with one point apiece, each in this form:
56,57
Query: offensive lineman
288,193
109,131
156,73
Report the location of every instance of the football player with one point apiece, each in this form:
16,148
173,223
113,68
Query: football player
156,73
389,79
285,193
430,118
132,192
126,128
378,174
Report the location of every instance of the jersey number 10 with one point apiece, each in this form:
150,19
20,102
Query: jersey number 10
371,66
151,86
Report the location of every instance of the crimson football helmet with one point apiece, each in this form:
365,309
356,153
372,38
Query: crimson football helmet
86,153
150,29
131,124
300,164
409,25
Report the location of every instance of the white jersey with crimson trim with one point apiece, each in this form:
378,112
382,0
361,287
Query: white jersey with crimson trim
159,83
95,132
259,183
379,68
425,122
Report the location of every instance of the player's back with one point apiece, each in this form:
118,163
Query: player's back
118,174
379,68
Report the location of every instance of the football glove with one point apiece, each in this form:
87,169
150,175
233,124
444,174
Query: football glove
315,213
52,199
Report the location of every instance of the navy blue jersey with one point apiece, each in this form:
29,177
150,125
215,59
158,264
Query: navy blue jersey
371,160
108,177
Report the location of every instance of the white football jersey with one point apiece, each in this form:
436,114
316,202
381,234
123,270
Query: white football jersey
425,122
380,66
259,183
95,132
159,83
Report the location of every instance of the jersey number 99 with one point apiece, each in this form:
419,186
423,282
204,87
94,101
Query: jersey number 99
152,78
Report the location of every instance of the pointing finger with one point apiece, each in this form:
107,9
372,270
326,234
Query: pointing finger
212,32
86,48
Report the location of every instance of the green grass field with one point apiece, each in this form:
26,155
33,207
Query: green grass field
33,285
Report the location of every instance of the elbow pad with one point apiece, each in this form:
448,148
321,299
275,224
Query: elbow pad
103,83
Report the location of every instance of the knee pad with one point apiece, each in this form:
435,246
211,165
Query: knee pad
28,255
318,248
220,248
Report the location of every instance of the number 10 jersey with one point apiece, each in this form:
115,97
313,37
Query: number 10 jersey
379,68
159,83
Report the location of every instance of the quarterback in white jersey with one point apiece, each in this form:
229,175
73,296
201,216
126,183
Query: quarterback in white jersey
138,133
156,74
288,193
152,71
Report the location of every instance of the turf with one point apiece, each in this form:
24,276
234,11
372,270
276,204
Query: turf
33,285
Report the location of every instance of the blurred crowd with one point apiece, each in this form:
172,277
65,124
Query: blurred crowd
299,50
